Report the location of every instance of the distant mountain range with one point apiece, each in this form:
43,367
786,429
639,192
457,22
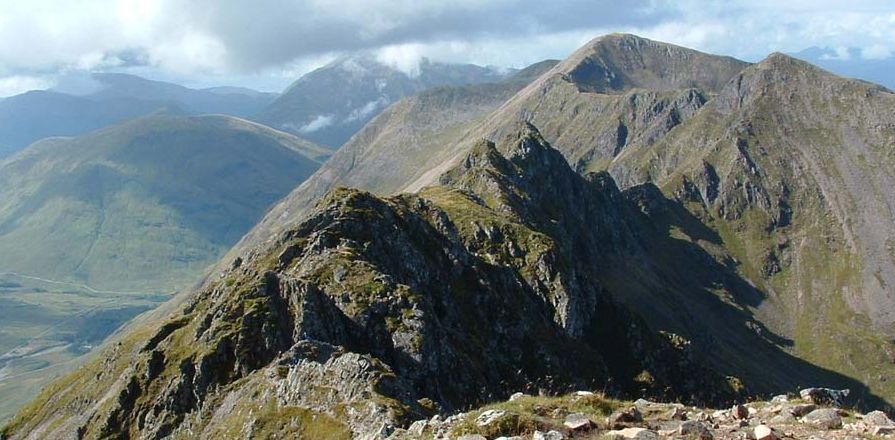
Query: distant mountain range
326,106
331,103
113,98
639,218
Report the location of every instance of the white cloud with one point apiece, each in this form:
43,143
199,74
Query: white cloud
204,40
321,121
367,109
14,85
404,57
839,53
876,52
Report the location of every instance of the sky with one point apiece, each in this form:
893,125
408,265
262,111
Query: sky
267,44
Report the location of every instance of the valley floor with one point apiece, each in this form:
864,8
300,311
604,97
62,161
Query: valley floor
48,326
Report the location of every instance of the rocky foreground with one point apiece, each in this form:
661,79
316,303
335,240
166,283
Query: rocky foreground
814,414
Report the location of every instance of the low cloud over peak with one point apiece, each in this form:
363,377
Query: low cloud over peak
245,42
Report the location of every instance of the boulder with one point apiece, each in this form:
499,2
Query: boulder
877,418
633,433
784,418
578,422
640,403
764,432
801,409
824,418
695,430
773,409
824,396
487,417
416,429
516,396
676,413
624,417
472,437
883,430
549,435
739,412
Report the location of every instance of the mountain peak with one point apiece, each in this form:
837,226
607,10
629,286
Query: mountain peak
779,60
523,141
523,146
619,62
622,38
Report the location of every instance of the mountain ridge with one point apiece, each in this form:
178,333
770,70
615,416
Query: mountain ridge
365,86
707,241
113,99
684,129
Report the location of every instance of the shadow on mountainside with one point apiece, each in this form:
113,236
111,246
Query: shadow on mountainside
711,304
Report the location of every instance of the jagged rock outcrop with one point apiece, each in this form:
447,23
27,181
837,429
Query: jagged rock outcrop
376,312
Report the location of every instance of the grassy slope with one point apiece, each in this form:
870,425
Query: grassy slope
140,207
143,205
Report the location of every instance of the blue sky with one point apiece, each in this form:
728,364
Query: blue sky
266,44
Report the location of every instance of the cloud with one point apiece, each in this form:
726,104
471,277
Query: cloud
235,35
367,109
268,32
270,42
320,122
876,52
14,85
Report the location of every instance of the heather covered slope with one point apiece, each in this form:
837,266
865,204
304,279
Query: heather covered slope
145,205
375,312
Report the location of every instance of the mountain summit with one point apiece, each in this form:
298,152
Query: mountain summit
620,62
